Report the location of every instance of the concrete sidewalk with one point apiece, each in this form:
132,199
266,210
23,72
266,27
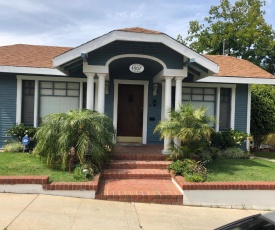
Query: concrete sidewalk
31,211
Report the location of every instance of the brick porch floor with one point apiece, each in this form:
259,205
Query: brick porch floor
138,174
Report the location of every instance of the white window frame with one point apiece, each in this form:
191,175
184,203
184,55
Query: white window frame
145,103
37,79
218,89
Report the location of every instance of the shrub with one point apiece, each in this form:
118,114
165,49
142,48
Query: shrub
190,126
83,173
18,131
228,139
79,136
13,147
234,153
192,171
210,154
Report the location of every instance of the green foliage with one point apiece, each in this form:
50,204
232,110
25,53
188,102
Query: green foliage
241,27
190,126
262,112
269,155
13,147
90,133
234,153
18,131
241,170
83,172
190,169
228,139
209,154
18,164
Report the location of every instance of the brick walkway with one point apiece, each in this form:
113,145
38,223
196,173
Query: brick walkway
138,174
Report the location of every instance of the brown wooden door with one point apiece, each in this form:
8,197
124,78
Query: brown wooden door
130,110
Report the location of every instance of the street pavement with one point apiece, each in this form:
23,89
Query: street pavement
32,211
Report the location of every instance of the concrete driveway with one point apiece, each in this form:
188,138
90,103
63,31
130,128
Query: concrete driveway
31,211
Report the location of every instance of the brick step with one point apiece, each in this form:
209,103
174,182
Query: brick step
139,190
135,164
139,156
136,174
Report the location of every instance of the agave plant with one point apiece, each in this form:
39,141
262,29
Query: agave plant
88,133
190,126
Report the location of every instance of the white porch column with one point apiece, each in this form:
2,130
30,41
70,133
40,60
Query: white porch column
90,90
248,117
19,100
178,99
168,102
101,92
178,96
36,100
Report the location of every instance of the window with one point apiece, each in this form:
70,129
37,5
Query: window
58,97
200,97
225,109
28,102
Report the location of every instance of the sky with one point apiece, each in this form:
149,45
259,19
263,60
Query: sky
71,23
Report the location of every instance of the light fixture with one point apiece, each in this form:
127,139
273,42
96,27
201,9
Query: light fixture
107,84
155,89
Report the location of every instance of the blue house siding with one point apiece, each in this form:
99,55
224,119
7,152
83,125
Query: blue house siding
171,58
7,105
241,108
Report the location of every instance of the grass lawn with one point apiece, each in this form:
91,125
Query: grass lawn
15,164
241,170
270,155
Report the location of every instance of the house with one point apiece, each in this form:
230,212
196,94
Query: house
133,75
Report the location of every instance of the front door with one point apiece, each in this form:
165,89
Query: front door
130,113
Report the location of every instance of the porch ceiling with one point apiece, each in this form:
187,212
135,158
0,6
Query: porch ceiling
151,68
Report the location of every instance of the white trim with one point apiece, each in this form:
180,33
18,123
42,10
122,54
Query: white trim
96,95
46,78
218,86
170,73
218,101
80,95
90,90
137,56
238,80
162,100
20,78
137,37
233,107
101,92
248,116
145,103
167,107
187,84
19,101
36,104
30,70
95,68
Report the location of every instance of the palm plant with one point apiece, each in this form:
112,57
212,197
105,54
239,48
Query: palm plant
190,126
89,133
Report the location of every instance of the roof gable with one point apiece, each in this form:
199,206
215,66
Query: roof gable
137,35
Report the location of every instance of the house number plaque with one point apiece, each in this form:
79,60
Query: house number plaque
136,68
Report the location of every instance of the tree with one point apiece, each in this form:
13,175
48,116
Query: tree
239,30
190,126
81,134
262,112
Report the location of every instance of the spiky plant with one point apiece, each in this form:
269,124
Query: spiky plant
89,133
189,125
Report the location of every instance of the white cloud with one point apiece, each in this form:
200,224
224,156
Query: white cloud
71,23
